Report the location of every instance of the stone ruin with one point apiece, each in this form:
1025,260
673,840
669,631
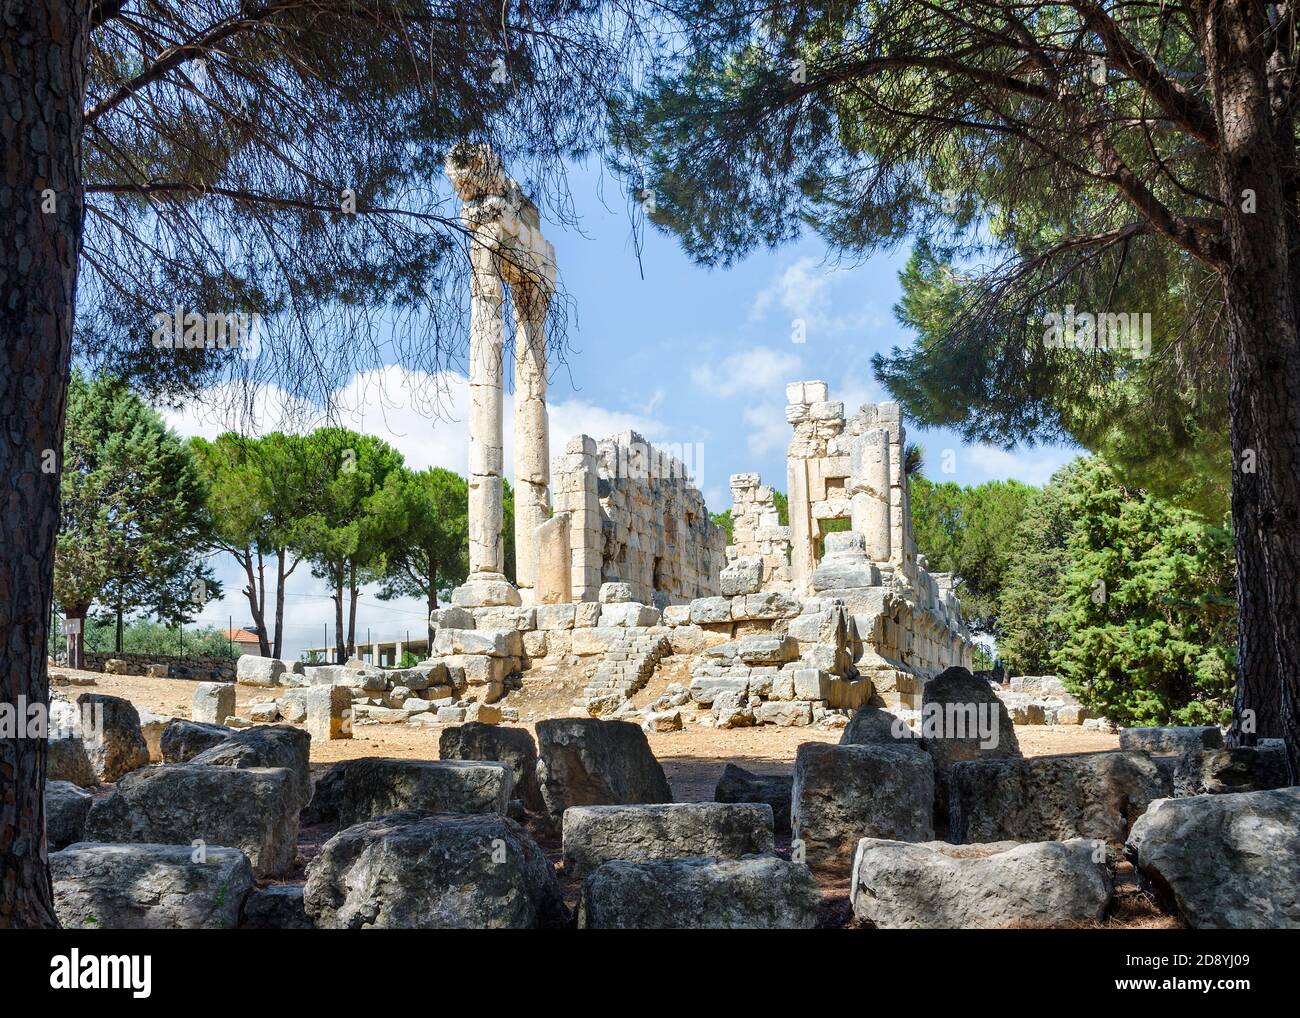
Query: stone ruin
635,517
804,625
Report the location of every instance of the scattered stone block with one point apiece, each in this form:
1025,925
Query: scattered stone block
149,887
991,886
114,744
873,726
416,871
1227,862
254,810
739,785
329,713
66,808
757,892
66,759
352,791
628,615
1241,769
616,593
1170,740
183,740
513,747
1053,798
252,670
273,746
842,794
212,702
276,907
587,762
593,835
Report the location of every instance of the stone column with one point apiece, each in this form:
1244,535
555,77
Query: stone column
486,584
871,491
532,440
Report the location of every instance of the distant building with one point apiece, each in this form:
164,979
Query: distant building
245,642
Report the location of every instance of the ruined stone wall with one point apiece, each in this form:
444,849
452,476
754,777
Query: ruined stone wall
636,518
757,532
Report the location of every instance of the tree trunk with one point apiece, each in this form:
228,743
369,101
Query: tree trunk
42,79
117,639
352,608
254,604
340,647
1256,161
280,576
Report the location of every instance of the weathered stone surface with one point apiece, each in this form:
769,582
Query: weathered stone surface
589,762
67,760
329,712
212,702
356,790
615,593
739,785
873,726
1053,798
628,615
251,670
1005,884
710,610
960,704
598,834
183,740
1223,861
491,642
415,871
757,892
1241,769
254,810
116,746
149,887
842,794
273,746
151,727
66,807
767,650
1170,740
513,747
743,576
276,907
705,689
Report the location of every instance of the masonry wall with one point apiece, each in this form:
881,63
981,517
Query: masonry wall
636,518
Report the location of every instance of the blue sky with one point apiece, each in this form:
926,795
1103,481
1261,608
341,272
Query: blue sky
685,355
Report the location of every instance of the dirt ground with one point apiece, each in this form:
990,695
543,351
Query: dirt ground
692,759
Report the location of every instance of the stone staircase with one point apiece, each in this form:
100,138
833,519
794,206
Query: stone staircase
625,667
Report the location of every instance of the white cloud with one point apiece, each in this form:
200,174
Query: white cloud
758,370
1000,464
769,429
423,416
815,292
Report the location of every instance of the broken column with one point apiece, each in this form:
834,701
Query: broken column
506,246
871,491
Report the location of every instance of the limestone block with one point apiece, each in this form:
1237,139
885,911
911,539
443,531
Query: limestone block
585,614
212,702
628,614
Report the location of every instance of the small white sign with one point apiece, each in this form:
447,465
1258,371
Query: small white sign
72,627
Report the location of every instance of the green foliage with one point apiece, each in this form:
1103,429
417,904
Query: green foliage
135,526
426,552
964,530
1149,607
148,636
880,122
1032,592
723,519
